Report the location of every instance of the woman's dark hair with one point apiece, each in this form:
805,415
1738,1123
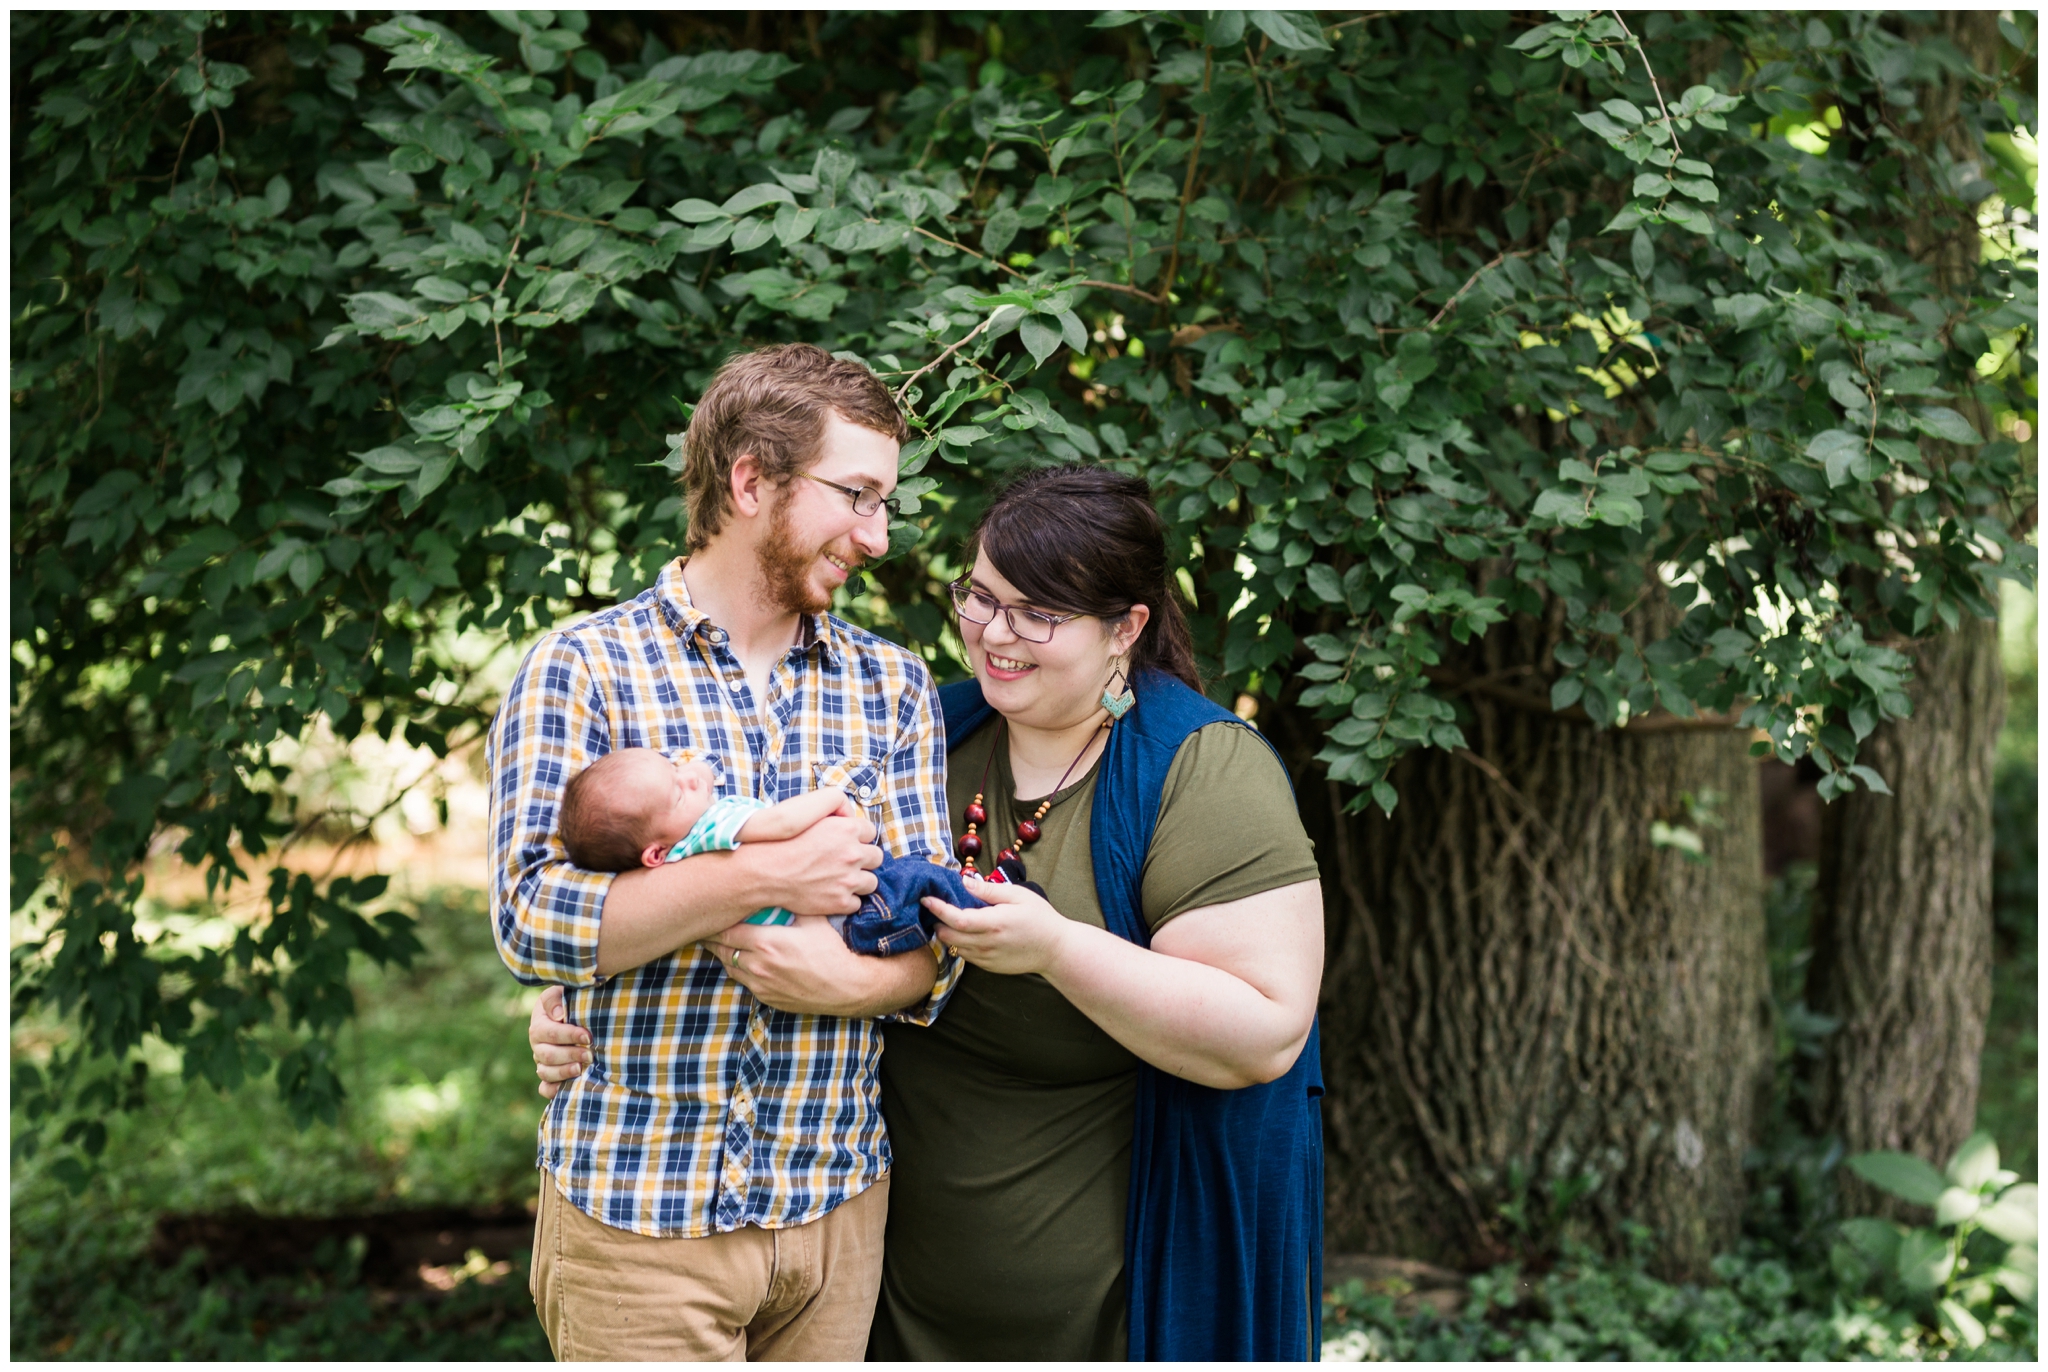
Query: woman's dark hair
1086,540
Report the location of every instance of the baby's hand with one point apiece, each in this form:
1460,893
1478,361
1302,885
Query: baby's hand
789,818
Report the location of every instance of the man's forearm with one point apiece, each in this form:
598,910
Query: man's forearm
651,912
807,969
894,983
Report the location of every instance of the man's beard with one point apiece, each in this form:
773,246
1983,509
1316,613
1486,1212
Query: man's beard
785,568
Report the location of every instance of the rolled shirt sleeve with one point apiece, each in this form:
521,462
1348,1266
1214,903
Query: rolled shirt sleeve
911,820
545,909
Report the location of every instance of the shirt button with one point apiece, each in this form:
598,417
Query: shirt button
738,684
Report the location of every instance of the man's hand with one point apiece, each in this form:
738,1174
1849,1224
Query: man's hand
826,869
653,911
560,1050
807,968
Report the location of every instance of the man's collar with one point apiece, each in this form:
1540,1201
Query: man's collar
673,593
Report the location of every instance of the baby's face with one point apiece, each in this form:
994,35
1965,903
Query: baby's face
681,792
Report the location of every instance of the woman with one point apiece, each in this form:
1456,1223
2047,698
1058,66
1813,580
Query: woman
1108,1144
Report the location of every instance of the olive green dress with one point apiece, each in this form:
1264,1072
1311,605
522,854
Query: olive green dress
1010,1117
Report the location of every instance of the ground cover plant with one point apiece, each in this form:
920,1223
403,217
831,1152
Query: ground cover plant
441,1113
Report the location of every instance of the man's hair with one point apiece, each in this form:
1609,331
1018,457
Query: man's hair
600,828
774,403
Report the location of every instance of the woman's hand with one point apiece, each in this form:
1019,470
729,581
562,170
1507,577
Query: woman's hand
1018,932
560,1050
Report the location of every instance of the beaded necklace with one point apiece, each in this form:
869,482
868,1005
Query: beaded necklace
970,844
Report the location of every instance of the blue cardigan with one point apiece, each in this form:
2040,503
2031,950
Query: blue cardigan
1223,1244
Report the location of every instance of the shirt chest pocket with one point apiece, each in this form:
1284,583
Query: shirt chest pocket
857,777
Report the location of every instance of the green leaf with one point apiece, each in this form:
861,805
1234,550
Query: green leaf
1630,216
753,198
2015,1215
793,225
1836,449
1848,393
1602,125
997,233
1975,1162
1746,309
274,562
1040,339
1939,421
441,289
2020,1272
1297,30
1925,1259
1563,506
697,211
1621,511
392,460
305,567
1689,217
1967,1326
1642,256
1073,331
1956,1205
1900,1174
1876,1239
752,233
1324,581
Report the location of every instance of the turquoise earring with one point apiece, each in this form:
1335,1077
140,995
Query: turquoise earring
1118,703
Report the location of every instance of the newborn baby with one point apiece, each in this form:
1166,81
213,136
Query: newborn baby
635,808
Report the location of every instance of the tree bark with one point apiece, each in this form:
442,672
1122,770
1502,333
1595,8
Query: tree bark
1902,920
1519,981
1902,924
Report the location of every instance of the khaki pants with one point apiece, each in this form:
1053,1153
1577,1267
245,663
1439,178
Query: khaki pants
804,1294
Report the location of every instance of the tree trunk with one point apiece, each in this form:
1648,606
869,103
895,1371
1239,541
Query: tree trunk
1902,923
1902,918
1521,986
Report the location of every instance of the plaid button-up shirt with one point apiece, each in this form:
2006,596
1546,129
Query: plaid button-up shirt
704,1110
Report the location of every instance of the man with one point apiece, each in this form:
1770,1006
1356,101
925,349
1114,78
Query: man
715,1185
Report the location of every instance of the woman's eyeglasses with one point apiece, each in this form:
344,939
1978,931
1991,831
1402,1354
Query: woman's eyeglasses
866,499
979,607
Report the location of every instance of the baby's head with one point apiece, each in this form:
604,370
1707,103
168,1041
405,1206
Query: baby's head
628,808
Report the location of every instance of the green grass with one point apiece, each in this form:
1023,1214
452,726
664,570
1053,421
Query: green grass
441,1111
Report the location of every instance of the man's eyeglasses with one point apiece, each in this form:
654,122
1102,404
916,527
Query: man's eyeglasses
866,499
979,607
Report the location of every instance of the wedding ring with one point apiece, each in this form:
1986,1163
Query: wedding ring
736,958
